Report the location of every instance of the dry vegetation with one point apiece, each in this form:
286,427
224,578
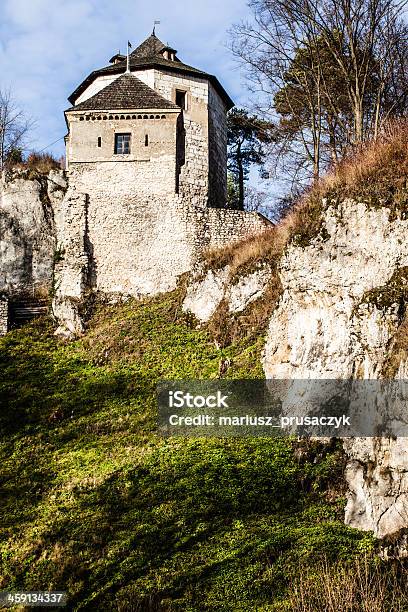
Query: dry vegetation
43,162
376,173
39,163
358,586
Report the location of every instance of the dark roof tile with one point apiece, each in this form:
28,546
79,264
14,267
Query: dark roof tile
150,47
126,92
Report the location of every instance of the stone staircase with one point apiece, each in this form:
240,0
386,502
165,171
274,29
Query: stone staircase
23,310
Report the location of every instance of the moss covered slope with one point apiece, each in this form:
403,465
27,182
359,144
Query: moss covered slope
94,502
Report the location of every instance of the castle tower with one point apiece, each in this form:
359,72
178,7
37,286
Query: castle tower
164,117
146,154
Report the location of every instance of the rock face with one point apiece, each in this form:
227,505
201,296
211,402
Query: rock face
27,232
337,319
205,295
377,476
326,326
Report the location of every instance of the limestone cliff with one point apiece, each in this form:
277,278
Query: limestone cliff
339,316
27,231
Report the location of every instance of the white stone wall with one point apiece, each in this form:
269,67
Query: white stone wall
166,83
226,226
139,242
194,174
141,234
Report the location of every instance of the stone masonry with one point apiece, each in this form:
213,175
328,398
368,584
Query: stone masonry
4,319
153,208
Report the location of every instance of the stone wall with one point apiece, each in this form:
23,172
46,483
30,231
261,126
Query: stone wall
139,242
194,172
217,136
4,315
226,226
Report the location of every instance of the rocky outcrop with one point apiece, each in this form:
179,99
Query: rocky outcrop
27,231
377,476
330,322
206,294
44,244
341,309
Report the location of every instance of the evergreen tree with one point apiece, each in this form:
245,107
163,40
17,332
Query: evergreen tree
247,136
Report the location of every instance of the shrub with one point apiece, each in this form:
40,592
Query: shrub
42,162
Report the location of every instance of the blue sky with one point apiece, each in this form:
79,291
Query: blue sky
47,47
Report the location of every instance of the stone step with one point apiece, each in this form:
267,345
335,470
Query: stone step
23,311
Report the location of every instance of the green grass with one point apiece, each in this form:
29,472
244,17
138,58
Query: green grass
94,502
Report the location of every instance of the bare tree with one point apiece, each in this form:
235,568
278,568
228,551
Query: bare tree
14,126
333,70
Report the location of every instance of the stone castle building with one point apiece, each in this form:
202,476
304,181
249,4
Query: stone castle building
144,192
165,118
147,144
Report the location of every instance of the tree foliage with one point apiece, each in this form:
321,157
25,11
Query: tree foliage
247,136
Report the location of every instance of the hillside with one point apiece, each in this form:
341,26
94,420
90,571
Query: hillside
95,502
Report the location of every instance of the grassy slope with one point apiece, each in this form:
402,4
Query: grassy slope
93,501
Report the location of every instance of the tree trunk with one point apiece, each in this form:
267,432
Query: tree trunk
240,184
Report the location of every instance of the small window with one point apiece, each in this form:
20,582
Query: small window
99,141
146,140
181,99
122,144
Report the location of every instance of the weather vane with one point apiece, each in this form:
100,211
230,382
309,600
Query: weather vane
154,27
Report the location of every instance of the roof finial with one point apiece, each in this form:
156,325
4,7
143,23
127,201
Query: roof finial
154,27
129,46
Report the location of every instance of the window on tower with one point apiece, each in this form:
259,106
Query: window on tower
122,144
181,99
